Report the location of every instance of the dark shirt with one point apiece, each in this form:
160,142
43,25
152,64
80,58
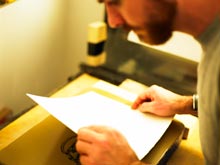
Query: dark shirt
209,94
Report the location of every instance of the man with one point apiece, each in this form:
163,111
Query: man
153,21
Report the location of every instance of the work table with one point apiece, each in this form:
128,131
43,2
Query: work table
19,137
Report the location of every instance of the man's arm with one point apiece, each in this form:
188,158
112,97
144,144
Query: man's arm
162,102
100,145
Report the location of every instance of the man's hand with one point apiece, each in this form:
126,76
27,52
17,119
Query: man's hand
162,102
101,145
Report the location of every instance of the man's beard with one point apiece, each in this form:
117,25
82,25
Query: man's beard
157,32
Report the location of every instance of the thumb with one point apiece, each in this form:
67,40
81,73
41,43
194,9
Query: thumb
146,107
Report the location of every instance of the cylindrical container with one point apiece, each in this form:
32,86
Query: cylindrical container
97,35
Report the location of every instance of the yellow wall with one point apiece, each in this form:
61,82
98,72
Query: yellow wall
42,43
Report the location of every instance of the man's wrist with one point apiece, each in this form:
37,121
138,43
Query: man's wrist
195,102
193,105
186,106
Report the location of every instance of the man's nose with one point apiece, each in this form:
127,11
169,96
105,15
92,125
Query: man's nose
115,19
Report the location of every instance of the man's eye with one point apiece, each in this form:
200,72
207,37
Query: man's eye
100,1
109,1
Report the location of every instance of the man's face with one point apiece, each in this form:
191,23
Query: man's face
151,20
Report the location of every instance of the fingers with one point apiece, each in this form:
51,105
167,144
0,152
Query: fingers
100,129
157,109
83,148
88,136
103,145
84,141
146,107
144,97
85,159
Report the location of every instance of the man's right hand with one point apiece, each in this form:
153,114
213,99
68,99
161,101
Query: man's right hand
162,102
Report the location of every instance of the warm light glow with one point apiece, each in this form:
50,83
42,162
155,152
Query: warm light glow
2,2
8,1
181,44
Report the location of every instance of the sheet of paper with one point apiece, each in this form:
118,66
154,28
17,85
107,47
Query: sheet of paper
142,131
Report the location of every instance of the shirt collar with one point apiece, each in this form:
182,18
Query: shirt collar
212,30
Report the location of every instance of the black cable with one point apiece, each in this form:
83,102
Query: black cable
69,149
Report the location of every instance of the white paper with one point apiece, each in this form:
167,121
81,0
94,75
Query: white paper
142,131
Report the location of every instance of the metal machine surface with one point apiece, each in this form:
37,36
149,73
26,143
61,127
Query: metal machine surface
148,65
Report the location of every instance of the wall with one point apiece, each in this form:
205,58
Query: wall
180,44
42,43
78,25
